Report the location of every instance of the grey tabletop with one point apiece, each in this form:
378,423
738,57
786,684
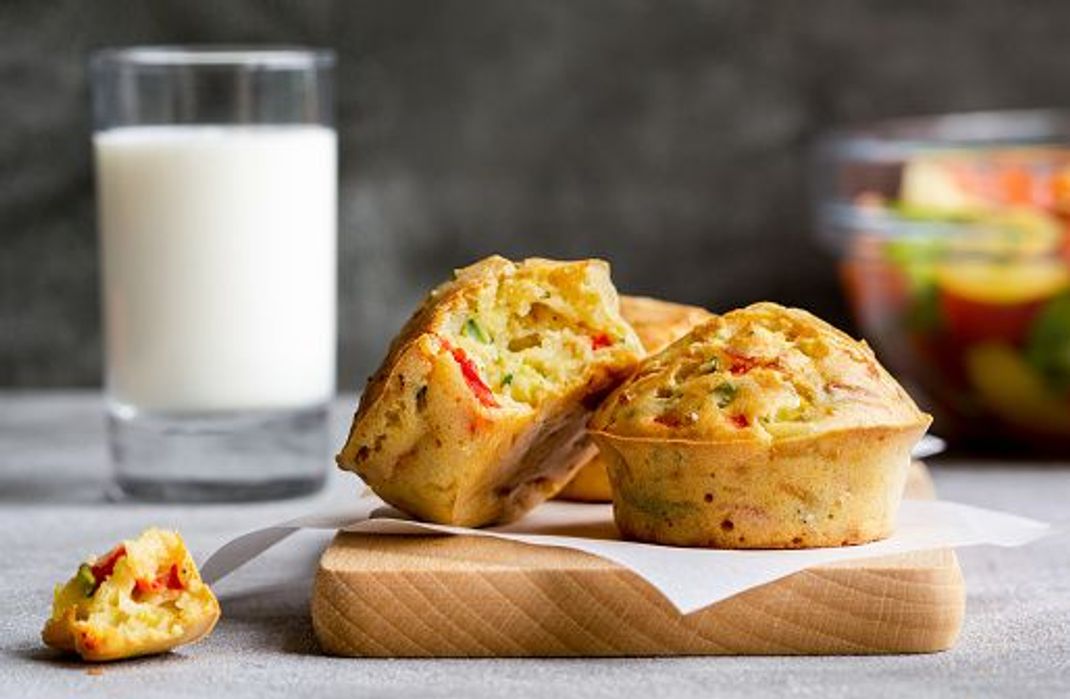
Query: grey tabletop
54,511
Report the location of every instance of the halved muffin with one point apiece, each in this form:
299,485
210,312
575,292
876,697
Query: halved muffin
477,413
144,596
658,324
762,428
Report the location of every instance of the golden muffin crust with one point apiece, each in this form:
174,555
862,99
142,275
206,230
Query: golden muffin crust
144,596
762,428
658,324
757,373
477,413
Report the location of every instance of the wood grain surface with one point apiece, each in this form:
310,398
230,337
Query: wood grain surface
435,596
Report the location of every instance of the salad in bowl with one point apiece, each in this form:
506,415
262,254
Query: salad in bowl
954,242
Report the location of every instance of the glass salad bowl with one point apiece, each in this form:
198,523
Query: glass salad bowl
953,235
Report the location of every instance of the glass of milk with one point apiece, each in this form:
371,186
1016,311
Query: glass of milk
216,176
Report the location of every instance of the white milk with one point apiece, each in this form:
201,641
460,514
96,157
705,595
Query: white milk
218,248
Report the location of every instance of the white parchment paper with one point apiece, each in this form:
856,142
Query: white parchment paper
689,578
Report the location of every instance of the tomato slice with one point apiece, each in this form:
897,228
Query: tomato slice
970,322
997,301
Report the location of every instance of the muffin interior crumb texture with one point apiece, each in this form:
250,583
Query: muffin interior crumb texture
763,372
531,331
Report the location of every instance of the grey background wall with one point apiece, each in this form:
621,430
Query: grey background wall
668,136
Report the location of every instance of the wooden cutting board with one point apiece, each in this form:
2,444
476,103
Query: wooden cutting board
446,596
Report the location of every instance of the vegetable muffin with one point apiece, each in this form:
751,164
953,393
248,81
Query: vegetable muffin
658,324
762,428
144,596
477,414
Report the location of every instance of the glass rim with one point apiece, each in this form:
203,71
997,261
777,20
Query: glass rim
266,57
897,138
893,142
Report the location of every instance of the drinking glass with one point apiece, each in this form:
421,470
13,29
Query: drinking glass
216,176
